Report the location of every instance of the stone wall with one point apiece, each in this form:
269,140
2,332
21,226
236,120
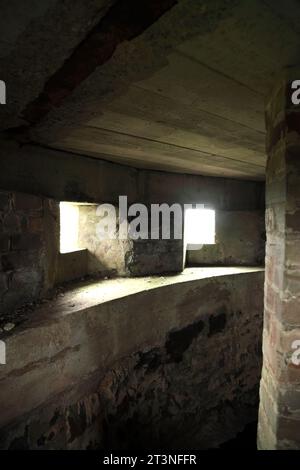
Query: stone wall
173,364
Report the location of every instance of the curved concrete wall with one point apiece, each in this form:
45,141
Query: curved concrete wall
172,362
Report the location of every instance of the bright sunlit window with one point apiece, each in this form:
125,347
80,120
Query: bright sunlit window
69,227
200,226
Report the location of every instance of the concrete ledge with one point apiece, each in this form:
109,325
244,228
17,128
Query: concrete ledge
92,294
91,327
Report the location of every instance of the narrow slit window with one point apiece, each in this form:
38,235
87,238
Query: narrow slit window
69,227
200,227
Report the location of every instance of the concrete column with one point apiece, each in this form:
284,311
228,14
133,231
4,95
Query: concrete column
279,413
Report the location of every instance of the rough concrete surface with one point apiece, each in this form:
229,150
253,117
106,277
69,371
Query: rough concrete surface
240,240
162,89
171,96
175,362
69,177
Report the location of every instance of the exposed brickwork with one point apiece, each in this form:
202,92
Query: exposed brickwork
22,249
279,423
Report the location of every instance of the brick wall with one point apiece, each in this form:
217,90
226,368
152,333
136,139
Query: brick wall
24,236
279,415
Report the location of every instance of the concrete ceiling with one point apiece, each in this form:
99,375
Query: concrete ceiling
183,92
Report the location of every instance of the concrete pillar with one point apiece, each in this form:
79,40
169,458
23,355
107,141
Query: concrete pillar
279,413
